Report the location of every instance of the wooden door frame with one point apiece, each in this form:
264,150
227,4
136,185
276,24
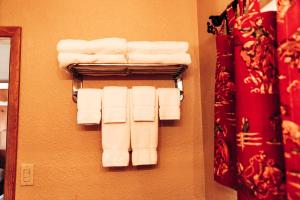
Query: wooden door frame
13,110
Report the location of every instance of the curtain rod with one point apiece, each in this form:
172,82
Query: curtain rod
217,20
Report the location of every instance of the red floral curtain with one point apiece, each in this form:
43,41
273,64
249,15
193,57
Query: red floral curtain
260,164
257,96
224,162
288,39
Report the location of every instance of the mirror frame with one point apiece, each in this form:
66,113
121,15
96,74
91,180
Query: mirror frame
13,109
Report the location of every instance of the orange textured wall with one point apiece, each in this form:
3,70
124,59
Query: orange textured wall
67,156
213,190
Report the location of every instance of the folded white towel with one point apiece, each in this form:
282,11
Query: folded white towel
103,46
65,59
108,46
115,136
110,58
169,103
144,139
72,46
143,102
183,58
89,106
157,47
114,104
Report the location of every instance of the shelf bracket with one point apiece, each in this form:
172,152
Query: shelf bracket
76,85
179,85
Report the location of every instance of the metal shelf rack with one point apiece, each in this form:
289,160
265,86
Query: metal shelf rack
170,71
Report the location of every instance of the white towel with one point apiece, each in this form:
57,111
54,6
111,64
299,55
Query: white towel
72,46
169,103
144,139
110,58
115,135
103,46
183,58
143,102
157,47
65,59
89,106
108,46
114,104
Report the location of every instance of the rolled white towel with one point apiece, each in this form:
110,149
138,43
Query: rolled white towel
65,59
157,47
103,46
183,58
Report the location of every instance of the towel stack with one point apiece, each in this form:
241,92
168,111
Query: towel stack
129,116
107,50
158,52
119,51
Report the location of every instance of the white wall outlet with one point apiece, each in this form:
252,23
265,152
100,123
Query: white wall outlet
26,174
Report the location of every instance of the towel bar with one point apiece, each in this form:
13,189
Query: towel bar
79,71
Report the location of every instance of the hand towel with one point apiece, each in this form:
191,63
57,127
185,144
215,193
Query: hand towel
143,103
157,47
114,104
65,59
103,46
183,58
89,106
115,135
144,138
169,103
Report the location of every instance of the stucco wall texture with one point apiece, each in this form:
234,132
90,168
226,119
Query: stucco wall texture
67,157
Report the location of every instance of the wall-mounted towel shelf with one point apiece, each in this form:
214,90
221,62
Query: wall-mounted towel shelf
79,71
